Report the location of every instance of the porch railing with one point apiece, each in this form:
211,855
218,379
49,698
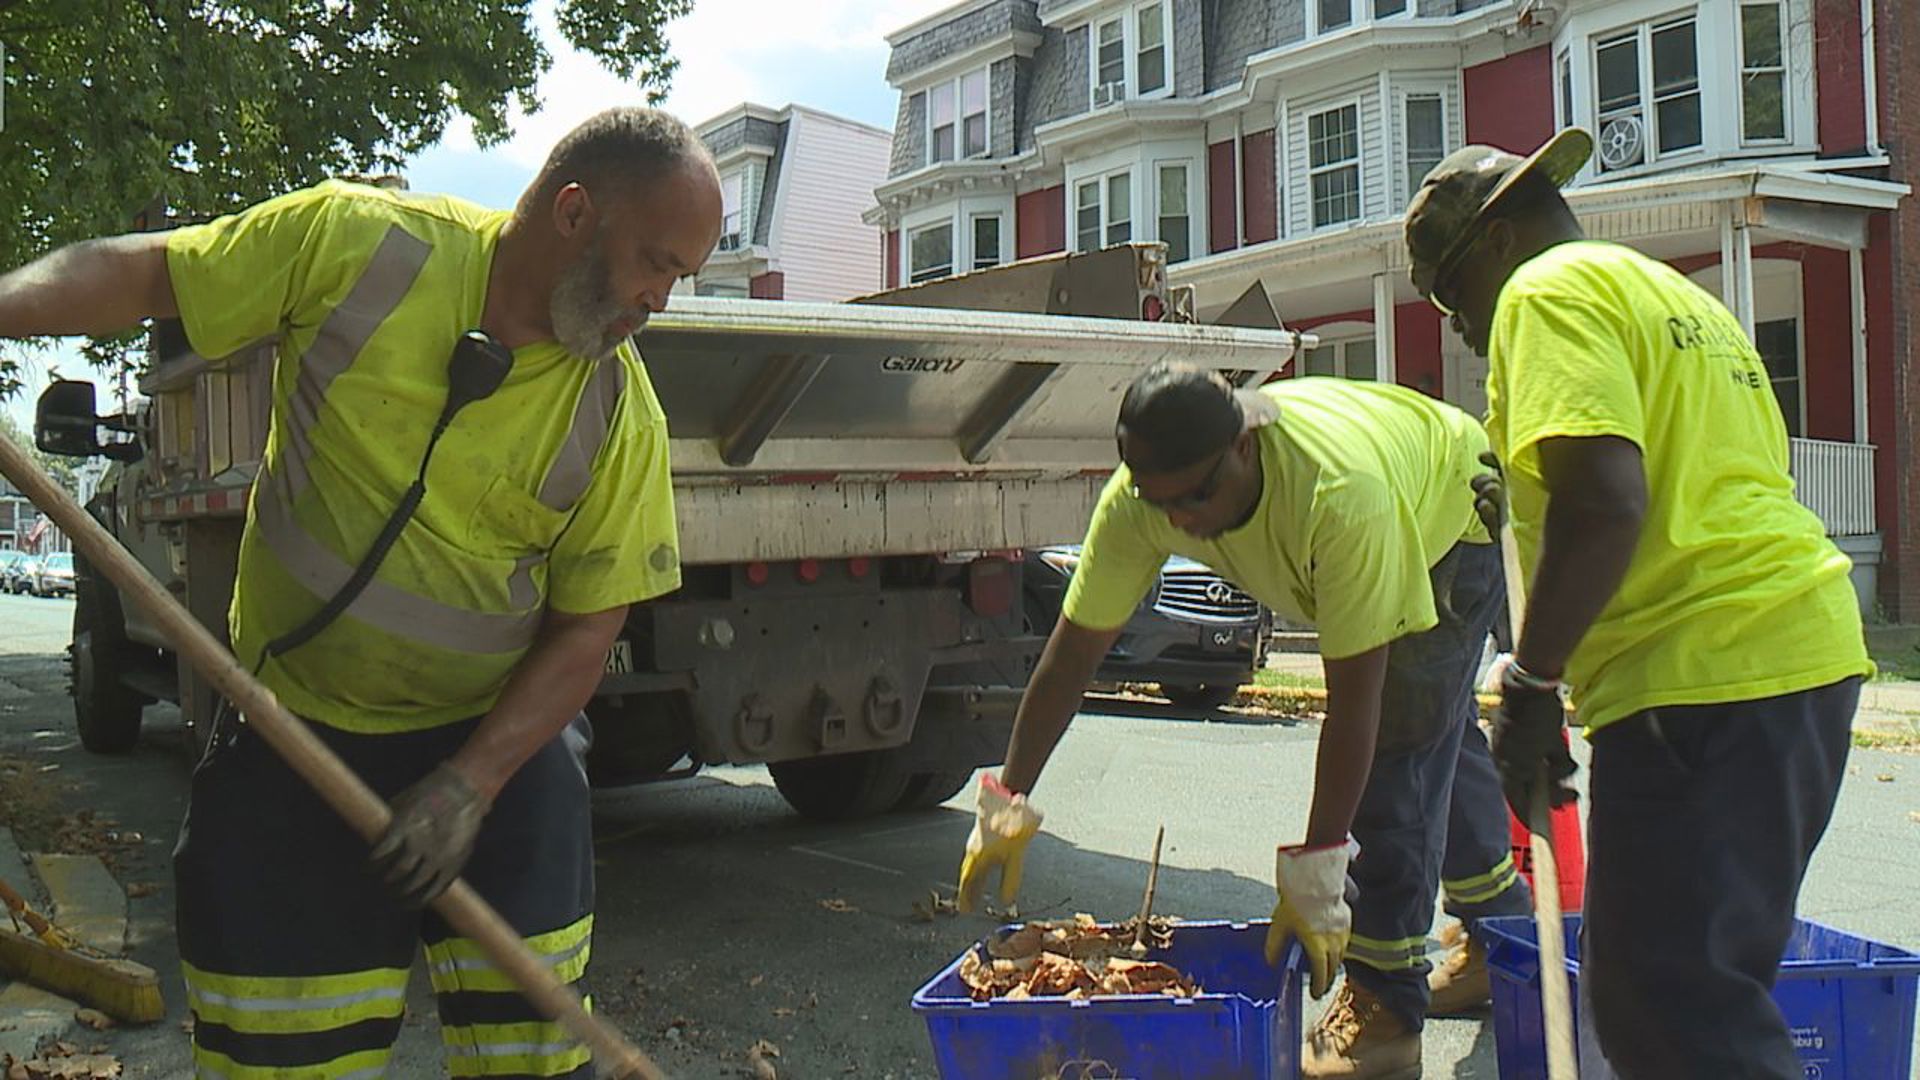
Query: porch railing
1835,481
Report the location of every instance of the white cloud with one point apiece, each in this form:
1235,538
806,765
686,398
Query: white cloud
729,51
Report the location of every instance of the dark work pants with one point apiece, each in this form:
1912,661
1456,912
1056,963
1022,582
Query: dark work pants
1702,822
1432,813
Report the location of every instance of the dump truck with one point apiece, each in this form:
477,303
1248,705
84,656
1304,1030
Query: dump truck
855,484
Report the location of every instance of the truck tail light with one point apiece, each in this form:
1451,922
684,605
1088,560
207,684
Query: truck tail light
990,587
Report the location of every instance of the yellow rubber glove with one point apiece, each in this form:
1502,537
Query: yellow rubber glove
1312,883
1002,826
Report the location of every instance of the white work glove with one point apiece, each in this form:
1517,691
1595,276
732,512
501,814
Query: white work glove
1312,883
1003,824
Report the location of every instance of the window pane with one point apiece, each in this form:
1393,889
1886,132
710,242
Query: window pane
1619,71
1763,106
1153,69
973,93
1086,224
1335,14
1336,196
940,105
942,148
1384,8
986,242
1679,122
1332,136
1360,360
1760,32
1676,63
1113,55
975,133
1174,221
1426,127
1152,31
1324,360
1173,189
931,253
1566,90
1778,341
1119,208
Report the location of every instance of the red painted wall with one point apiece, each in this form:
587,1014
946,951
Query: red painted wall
1510,101
890,257
1416,347
1040,222
1222,229
1839,93
1416,343
771,285
1826,337
1257,183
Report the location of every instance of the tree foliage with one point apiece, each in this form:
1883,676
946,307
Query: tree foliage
210,105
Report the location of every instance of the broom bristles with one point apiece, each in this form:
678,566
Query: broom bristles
123,989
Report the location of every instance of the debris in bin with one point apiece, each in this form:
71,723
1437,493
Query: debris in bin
1075,959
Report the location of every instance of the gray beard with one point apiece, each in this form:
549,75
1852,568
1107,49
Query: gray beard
585,314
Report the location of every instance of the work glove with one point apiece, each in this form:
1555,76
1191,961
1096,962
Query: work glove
1313,908
1490,495
431,836
1003,825
1528,734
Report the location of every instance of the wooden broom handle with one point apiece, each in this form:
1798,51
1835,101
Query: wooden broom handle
303,751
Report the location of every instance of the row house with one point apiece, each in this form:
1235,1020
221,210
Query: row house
1279,141
794,183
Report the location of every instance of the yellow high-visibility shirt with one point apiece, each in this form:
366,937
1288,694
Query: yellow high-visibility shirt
1735,592
1366,487
552,493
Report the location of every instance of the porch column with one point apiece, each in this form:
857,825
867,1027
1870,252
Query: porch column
1857,273
1386,370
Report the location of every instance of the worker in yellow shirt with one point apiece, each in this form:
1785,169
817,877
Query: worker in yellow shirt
1345,503
465,486
1701,617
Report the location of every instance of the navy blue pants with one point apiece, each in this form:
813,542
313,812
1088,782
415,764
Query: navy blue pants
1701,823
1432,814
295,954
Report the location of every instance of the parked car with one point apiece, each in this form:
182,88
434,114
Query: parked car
1195,633
54,577
16,571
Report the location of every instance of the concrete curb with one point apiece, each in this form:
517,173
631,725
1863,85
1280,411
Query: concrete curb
83,897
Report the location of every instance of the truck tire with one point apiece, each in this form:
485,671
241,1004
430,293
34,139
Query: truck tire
841,787
1208,696
929,789
106,711
638,737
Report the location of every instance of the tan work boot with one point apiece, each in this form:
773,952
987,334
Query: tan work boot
1461,983
1359,1038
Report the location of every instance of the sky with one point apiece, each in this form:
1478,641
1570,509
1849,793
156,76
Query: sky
827,54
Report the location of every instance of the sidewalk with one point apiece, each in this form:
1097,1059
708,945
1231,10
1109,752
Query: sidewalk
1889,708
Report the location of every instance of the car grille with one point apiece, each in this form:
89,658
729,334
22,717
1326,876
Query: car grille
1205,595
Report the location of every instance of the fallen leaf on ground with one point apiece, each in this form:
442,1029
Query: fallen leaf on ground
1913,815
756,981
94,1019
761,1058
836,904
783,1012
140,889
1885,778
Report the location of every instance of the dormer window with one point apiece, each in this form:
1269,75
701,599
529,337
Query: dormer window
1648,93
1332,15
732,194
957,118
1130,54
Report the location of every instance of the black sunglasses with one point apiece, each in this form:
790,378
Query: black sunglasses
1199,495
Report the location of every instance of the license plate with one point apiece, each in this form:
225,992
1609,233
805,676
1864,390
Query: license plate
620,658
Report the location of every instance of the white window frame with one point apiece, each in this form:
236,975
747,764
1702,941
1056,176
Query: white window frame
1128,17
733,224
1563,87
1642,33
1359,13
1357,163
1160,210
1103,180
1335,340
955,89
915,276
999,253
1407,98
1782,71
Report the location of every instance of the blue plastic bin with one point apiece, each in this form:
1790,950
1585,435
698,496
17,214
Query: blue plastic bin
1848,1000
1244,1024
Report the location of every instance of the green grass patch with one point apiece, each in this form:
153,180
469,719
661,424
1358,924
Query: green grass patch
1287,680
1903,741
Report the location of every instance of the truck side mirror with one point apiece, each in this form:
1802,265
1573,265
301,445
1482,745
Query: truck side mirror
65,423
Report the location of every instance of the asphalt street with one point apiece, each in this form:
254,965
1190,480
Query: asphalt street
724,919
